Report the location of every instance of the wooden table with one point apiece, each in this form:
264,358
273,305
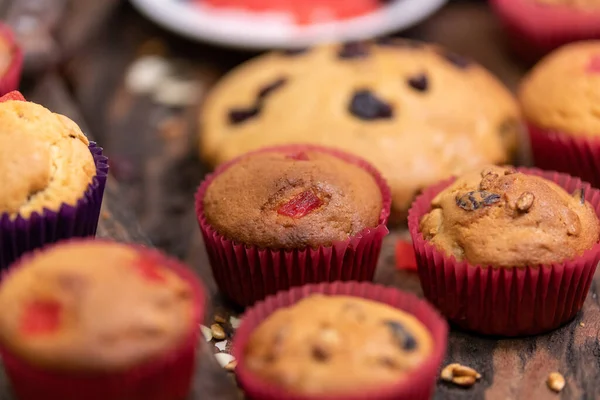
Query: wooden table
153,157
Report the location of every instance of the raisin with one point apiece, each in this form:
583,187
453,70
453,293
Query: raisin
405,340
301,205
456,59
267,90
41,316
300,156
352,50
525,201
295,52
476,199
366,106
579,194
149,267
419,82
239,115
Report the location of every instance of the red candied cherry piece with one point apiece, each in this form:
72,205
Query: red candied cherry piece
41,316
405,256
301,205
594,65
300,156
149,267
14,95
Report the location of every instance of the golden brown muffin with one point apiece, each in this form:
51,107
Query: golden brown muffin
334,345
44,159
93,306
561,92
499,217
415,111
292,200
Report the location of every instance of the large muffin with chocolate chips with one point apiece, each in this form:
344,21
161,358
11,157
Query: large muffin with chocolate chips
499,217
417,112
337,345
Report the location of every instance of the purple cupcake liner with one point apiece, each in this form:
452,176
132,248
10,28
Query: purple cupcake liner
21,235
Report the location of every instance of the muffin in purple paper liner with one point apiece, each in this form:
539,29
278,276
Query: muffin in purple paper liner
53,179
290,215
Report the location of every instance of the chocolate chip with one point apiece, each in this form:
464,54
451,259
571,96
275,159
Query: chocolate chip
239,115
579,194
456,59
352,50
270,88
405,340
525,201
419,82
366,106
474,200
295,52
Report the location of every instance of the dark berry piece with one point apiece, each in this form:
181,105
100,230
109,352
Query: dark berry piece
366,106
267,90
405,340
352,50
295,52
419,82
239,115
456,59
472,201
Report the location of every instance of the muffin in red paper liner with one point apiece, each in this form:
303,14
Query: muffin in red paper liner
532,248
98,320
417,384
52,177
11,61
285,216
559,102
536,27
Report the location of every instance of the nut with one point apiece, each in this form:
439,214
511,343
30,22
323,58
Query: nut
460,375
217,331
555,382
219,319
487,180
525,201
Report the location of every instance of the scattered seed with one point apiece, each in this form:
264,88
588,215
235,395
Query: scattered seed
224,359
219,319
206,332
525,201
556,381
581,324
460,375
217,331
231,366
235,322
222,345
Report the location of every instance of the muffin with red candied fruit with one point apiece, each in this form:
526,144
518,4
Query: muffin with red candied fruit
11,61
560,104
340,341
99,320
536,27
52,178
285,216
523,243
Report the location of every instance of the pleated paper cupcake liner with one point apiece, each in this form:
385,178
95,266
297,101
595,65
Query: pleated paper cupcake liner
417,385
513,301
246,274
12,77
167,377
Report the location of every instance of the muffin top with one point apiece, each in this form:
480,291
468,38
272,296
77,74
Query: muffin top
334,345
413,110
292,200
44,159
94,306
503,218
560,92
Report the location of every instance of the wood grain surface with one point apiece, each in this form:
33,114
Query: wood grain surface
153,158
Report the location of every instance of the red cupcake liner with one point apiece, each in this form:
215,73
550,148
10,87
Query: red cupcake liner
514,301
12,77
418,385
168,377
575,155
535,29
246,274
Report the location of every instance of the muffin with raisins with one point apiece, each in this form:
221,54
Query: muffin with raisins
522,242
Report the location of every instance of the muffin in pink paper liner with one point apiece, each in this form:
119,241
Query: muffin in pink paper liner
11,61
289,215
52,177
101,320
559,102
505,252
536,27
415,383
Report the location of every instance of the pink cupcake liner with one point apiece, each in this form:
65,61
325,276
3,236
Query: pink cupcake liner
504,301
12,77
246,274
418,385
168,377
535,29
575,155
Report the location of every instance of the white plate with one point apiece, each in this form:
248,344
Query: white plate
275,30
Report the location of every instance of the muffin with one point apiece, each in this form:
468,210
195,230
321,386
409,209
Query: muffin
521,242
11,61
559,102
536,27
340,341
290,215
52,177
401,105
99,320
